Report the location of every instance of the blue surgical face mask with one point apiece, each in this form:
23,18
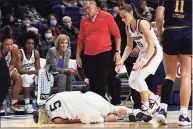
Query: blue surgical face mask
48,35
53,22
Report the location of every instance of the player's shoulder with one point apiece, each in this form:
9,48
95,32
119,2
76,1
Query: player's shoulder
15,48
143,23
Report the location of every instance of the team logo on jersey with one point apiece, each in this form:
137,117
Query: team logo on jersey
44,96
33,60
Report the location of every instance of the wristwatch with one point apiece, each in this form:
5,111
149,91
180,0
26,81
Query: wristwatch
118,51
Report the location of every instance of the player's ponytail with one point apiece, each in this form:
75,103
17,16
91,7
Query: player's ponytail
41,116
131,7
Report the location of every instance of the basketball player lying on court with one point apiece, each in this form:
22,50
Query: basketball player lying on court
77,107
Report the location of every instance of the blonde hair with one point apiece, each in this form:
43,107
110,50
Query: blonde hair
61,37
43,116
66,18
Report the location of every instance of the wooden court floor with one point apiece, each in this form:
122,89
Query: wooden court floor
27,121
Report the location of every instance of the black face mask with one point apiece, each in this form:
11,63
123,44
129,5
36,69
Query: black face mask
65,25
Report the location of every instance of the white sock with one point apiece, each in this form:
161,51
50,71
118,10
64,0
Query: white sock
164,106
153,96
27,101
146,104
136,111
119,118
13,102
184,111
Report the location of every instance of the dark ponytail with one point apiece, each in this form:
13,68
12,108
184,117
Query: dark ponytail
131,7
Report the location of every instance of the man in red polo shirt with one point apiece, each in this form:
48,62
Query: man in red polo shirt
96,29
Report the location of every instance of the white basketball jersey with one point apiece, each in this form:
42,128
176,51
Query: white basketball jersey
28,64
139,38
66,105
8,58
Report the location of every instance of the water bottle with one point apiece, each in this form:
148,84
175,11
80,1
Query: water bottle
5,106
34,103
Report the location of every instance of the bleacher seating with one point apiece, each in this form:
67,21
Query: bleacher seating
82,12
110,10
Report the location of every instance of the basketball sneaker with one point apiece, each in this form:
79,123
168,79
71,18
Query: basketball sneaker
145,110
29,109
140,116
154,105
129,118
16,109
162,116
184,121
2,111
144,117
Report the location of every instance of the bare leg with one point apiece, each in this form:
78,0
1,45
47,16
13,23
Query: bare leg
17,85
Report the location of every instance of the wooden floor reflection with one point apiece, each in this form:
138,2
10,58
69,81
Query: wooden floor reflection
27,121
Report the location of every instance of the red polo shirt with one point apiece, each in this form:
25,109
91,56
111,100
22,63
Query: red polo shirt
95,35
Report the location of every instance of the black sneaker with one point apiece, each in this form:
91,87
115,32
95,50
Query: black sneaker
131,118
184,121
143,116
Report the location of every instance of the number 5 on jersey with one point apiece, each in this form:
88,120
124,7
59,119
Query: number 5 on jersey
56,105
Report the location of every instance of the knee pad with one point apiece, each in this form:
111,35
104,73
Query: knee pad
131,80
138,83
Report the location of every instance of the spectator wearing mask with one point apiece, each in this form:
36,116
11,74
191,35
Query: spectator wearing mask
52,22
46,42
69,29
